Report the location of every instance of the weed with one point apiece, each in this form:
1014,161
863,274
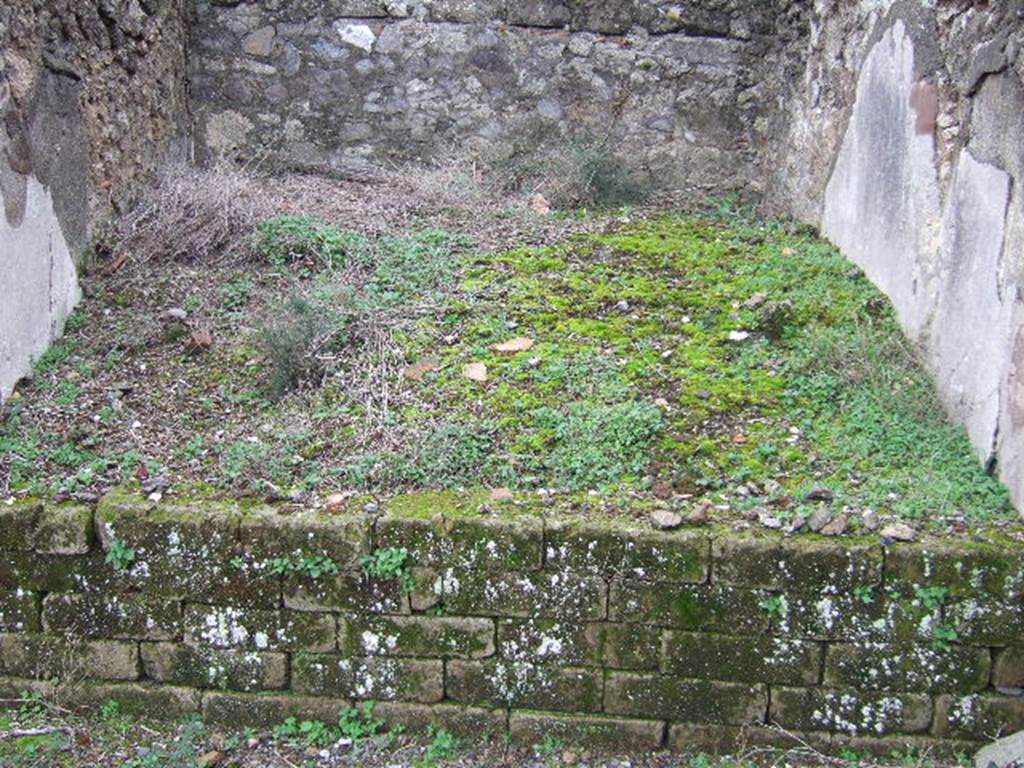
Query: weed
359,724
236,293
313,566
931,598
549,746
443,746
775,606
865,594
306,330
285,240
120,555
942,636
390,563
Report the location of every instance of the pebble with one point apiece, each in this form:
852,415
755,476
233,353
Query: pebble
818,519
820,494
870,519
768,520
665,520
899,532
837,527
174,315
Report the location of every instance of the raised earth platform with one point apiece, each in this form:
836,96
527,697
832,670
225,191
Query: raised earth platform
512,618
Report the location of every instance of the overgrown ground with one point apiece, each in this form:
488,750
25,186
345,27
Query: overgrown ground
648,356
111,738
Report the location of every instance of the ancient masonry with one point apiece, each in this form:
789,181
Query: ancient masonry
514,623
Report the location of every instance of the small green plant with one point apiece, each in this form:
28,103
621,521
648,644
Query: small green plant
931,598
314,566
32,706
110,710
865,594
549,746
359,724
443,746
236,293
120,555
942,636
775,606
390,563
286,240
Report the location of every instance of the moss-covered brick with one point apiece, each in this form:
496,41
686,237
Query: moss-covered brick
64,529
967,570
18,524
141,700
697,608
613,548
1008,671
238,711
427,589
45,656
610,733
180,549
484,543
116,616
978,717
348,591
849,711
505,683
193,667
279,630
376,678
560,594
600,644
864,614
914,668
760,659
53,573
431,636
732,739
19,610
267,534
802,565
987,621
464,722
691,701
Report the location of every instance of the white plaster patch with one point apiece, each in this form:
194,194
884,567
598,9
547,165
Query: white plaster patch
357,35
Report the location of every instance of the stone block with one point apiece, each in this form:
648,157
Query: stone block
140,700
978,717
600,644
987,621
502,683
608,733
527,594
268,534
432,636
19,610
241,710
849,711
283,630
116,616
915,668
539,13
375,678
1008,671
696,608
44,656
18,525
64,529
53,573
616,550
233,670
762,659
967,570
805,565
350,592
690,701
884,747
462,541
464,722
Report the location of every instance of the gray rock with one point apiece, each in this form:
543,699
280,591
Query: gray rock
665,520
818,519
1007,752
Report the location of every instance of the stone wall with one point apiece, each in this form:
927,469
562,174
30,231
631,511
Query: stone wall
506,621
902,139
347,86
91,93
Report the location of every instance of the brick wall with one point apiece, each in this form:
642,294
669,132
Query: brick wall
510,621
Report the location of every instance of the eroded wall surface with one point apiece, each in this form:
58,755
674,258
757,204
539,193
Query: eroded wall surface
91,93
904,140
347,86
